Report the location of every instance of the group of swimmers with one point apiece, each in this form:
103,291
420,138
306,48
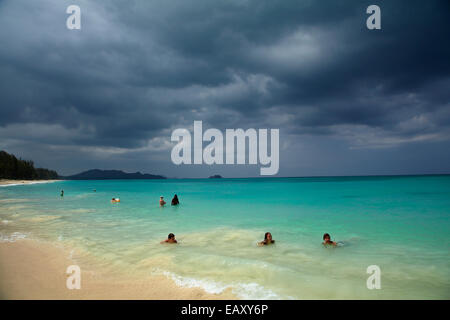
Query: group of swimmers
267,240
174,202
162,203
267,236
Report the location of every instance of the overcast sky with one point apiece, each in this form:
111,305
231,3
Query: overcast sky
347,100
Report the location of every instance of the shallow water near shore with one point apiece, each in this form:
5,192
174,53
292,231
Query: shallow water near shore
400,224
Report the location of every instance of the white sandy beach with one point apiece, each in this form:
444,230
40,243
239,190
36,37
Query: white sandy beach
37,270
9,182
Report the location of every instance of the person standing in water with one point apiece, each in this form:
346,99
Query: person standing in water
62,193
267,240
170,239
161,201
175,200
327,240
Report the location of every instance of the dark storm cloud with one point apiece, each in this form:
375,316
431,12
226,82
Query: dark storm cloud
137,69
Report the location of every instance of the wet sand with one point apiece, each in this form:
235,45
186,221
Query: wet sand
37,270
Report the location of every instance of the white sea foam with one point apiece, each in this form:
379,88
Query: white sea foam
12,184
40,218
13,200
12,237
247,291
71,254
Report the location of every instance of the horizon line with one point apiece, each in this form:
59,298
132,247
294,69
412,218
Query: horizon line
275,177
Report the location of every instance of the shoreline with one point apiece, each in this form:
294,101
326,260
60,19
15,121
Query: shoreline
11,182
31,269
116,246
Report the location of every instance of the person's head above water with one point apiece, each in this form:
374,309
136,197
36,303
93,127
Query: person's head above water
327,240
170,239
267,239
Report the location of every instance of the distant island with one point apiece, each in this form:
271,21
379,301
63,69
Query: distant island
97,174
19,169
216,176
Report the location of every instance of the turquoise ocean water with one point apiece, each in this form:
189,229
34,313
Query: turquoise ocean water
401,224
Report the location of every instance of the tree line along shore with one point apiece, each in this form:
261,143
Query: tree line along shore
13,168
17,169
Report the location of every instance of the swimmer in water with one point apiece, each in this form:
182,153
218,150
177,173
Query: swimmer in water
161,201
327,240
267,240
62,193
170,239
175,200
